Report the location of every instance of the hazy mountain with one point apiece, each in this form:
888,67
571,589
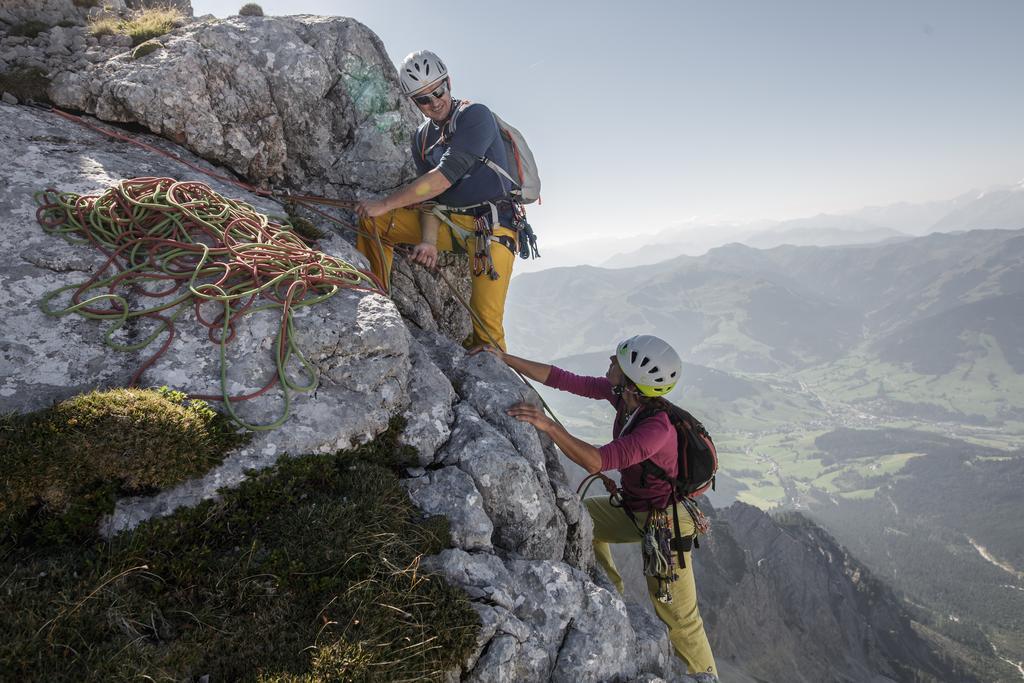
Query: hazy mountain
692,238
766,584
822,230
1001,209
761,310
997,208
912,218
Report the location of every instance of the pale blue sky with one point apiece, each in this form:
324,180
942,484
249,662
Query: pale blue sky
645,114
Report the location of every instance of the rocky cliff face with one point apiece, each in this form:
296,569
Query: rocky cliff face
311,103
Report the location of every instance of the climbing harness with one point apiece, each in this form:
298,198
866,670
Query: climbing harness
523,181
184,246
656,542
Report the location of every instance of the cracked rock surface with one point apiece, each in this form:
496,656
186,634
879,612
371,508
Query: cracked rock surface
301,102
312,103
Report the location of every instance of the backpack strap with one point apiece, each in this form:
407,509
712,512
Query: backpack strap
447,129
450,125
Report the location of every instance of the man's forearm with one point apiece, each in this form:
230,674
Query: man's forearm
427,186
429,225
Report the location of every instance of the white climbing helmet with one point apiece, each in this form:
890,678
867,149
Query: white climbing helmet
650,362
420,70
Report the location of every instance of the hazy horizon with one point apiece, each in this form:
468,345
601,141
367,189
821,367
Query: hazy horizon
733,112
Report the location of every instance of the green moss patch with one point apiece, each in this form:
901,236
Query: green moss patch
29,29
306,572
26,84
64,467
250,9
146,48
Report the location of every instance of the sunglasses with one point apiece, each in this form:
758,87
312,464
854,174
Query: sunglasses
427,98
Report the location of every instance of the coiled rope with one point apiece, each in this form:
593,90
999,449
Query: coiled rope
305,201
185,245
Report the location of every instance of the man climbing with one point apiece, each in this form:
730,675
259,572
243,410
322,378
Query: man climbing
643,369
454,151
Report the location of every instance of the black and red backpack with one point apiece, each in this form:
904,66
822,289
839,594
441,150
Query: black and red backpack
697,466
697,456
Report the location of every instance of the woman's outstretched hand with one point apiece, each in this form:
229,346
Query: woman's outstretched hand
526,412
493,350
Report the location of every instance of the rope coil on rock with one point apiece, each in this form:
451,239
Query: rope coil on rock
184,245
305,201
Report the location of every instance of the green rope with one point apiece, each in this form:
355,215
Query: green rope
184,245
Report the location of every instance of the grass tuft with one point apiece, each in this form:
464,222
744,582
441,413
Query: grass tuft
308,571
250,9
64,467
142,26
151,23
104,26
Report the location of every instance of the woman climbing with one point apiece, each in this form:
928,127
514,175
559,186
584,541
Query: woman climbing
643,369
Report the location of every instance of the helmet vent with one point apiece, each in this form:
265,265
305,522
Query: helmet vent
659,379
645,361
653,370
632,357
672,375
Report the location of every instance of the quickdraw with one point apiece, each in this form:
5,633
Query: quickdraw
657,552
483,262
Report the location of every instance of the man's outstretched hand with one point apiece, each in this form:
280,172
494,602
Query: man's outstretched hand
371,208
425,254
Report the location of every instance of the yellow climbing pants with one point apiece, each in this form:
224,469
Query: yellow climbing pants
685,627
488,296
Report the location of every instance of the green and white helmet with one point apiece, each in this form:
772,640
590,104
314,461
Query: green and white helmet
419,70
650,362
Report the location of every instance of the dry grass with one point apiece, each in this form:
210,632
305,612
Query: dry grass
151,23
308,572
142,26
105,26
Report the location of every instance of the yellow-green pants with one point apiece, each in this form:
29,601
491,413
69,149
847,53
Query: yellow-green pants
685,627
488,296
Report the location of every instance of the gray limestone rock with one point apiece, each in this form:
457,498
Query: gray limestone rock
304,102
311,104
520,505
356,341
426,300
429,416
450,492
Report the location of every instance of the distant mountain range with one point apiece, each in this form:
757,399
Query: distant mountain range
878,387
922,301
1000,208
